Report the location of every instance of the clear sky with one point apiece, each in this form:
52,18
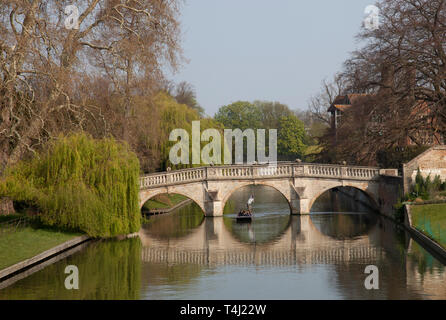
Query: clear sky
265,50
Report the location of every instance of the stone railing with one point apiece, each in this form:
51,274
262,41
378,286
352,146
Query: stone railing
251,172
299,255
174,177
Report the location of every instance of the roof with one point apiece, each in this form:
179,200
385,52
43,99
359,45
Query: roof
344,102
438,147
341,107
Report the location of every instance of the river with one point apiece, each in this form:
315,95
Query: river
182,255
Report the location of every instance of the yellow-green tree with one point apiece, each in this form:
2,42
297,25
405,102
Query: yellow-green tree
80,183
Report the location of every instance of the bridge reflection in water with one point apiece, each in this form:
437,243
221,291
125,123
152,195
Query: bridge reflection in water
274,237
301,243
280,251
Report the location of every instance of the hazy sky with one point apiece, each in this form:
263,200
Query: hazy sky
265,50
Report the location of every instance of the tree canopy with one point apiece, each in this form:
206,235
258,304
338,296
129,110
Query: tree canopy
244,115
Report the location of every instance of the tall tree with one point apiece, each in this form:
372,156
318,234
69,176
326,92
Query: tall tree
320,102
271,113
185,94
239,115
291,138
404,61
402,66
45,57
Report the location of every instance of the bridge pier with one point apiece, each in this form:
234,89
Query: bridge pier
300,206
213,208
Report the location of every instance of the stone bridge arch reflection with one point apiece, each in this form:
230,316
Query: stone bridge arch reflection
212,243
344,199
271,214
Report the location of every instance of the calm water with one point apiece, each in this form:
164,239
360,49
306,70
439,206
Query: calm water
277,256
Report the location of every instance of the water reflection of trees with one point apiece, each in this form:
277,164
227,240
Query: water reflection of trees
424,261
343,199
107,270
176,224
344,226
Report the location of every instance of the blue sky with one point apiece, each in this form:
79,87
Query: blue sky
265,50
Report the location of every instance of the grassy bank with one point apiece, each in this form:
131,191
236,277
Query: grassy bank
164,201
29,242
431,220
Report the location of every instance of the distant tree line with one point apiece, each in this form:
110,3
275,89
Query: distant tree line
292,139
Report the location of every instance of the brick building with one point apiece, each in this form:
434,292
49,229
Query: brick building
431,162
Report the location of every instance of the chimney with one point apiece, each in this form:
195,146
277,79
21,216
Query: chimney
387,78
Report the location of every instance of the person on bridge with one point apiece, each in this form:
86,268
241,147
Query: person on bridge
250,202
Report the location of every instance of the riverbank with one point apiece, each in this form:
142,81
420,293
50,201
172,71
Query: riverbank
427,223
165,203
26,243
431,220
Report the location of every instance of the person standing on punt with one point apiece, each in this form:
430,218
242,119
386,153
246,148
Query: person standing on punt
250,202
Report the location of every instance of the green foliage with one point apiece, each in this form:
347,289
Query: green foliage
291,134
424,189
271,113
178,116
176,224
436,184
398,214
239,115
290,140
80,184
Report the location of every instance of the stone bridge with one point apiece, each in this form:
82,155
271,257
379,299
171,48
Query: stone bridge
299,183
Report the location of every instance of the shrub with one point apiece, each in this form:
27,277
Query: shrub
80,183
398,214
436,184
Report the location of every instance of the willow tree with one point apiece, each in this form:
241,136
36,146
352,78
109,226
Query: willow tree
48,48
80,183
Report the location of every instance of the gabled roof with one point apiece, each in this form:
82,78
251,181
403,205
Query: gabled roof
414,160
344,102
340,107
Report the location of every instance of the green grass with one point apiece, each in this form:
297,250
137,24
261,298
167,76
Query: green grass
431,220
28,242
164,201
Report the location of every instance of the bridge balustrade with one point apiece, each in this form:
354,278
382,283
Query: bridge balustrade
279,170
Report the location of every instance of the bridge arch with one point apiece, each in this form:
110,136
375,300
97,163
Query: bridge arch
279,187
186,191
371,194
